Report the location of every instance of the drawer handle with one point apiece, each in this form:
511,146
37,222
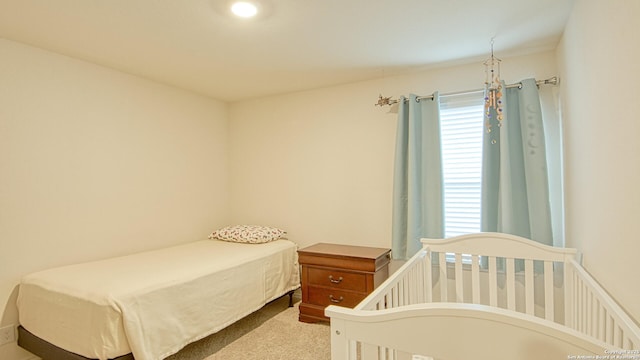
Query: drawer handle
335,281
334,300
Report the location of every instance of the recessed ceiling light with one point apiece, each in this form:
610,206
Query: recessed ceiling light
244,9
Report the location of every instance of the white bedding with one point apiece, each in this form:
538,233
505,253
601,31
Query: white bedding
154,303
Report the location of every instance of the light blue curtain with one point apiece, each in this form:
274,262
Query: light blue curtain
515,186
418,205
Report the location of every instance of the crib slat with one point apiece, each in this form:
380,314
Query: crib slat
583,308
568,294
475,278
511,284
493,282
574,301
579,304
416,286
443,276
529,286
393,297
594,317
548,291
601,322
354,349
382,353
590,314
410,297
608,330
368,351
421,282
459,279
428,278
586,309
617,336
401,293
419,285
408,289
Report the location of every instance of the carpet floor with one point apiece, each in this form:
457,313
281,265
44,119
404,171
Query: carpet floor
271,333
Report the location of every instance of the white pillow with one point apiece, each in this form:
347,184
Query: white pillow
252,234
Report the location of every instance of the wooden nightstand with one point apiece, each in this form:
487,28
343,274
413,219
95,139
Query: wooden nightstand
339,275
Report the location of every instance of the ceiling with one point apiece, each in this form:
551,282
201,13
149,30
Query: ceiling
292,45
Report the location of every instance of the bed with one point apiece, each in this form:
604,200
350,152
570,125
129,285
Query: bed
486,296
150,305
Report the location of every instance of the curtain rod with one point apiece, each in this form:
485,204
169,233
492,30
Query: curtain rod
382,101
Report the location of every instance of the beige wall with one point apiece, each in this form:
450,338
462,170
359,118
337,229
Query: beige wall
598,62
96,163
319,163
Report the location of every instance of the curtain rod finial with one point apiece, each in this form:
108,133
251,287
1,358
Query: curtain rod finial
382,101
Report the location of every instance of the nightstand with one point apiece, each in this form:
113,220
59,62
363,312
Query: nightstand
339,275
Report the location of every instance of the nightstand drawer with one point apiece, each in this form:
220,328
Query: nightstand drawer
325,297
338,279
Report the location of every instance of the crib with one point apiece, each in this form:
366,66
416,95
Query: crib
486,296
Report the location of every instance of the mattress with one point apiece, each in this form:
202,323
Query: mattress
154,303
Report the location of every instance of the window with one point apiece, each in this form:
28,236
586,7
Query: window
462,126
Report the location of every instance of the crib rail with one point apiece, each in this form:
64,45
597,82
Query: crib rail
499,270
595,313
452,331
493,271
408,286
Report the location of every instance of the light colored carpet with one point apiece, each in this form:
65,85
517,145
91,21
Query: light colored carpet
271,333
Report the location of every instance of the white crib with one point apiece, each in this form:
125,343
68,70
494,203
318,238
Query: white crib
505,297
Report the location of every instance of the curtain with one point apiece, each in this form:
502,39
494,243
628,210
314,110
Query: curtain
515,186
418,204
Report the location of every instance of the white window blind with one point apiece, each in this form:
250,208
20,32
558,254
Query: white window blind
461,129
